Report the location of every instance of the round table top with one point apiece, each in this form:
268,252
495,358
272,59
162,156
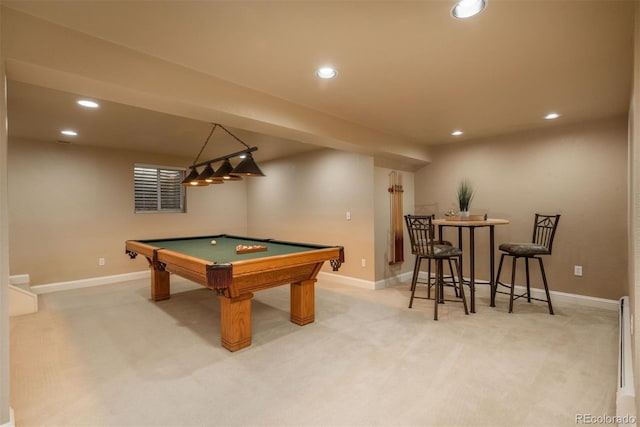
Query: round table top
481,223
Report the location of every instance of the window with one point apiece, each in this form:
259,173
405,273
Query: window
158,189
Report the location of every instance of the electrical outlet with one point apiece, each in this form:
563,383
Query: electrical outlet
577,270
348,215
363,262
100,261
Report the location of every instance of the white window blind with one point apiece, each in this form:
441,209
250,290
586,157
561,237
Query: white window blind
158,189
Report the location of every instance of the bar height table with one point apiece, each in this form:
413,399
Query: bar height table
472,225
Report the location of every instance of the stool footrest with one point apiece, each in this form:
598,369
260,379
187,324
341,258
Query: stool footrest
515,297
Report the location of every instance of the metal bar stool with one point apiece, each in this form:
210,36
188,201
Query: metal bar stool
544,230
450,262
424,246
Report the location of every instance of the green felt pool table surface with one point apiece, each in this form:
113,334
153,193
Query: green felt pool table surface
224,251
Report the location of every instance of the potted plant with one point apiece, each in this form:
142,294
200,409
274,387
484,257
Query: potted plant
465,195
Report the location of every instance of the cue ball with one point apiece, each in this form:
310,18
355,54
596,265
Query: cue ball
213,242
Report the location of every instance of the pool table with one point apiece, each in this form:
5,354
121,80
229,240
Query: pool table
235,276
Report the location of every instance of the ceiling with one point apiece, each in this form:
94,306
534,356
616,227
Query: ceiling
39,113
405,68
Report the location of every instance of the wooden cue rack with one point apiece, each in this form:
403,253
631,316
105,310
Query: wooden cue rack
397,233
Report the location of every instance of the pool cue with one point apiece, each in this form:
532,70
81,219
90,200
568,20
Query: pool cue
397,245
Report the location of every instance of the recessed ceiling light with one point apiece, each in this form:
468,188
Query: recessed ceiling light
88,103
457,133
326,72
551,116
468,8
69,132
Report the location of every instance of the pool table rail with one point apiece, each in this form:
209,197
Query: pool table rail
240,276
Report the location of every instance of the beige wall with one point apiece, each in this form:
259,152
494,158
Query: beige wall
305,198
4,252
76,221
633,283
71,205
383,228
579,171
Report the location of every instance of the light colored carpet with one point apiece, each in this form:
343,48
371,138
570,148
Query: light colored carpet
108,356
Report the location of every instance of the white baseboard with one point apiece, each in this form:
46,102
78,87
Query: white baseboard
482,288
106,280
86,283
346,280
12,421
19,279
625,395
556,296
336,278
390,282
366,284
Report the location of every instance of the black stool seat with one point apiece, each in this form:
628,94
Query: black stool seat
524,249
445,251
422,243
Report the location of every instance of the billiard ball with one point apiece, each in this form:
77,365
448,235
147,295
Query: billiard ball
213,242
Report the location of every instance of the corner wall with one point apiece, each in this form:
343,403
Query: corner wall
5,410
579,171
305,198
72,204
385,271
633,284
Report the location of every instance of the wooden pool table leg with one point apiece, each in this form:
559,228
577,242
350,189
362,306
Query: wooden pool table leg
235,321
303,302
160,288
